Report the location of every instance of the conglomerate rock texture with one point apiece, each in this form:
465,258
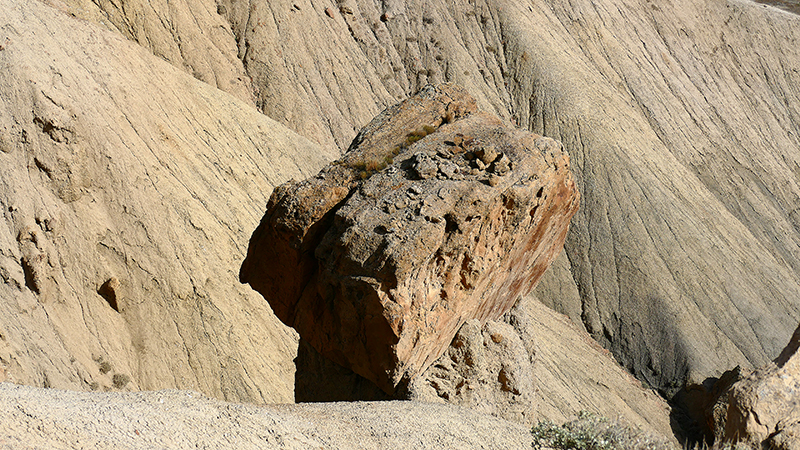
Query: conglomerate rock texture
436,215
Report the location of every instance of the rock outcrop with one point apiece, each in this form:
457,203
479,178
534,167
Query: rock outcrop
486,368
128,192
536,365
437,214
559,372
762,409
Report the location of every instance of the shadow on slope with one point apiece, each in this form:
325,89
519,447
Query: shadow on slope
792,6
319,379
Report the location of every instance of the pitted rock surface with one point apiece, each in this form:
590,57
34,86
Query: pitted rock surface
763,407
379,259
485,368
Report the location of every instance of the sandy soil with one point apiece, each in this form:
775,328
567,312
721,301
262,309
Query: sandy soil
34,418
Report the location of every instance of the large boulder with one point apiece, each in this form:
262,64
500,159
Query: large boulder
437,214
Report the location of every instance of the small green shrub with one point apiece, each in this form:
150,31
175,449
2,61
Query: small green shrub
592,432
549,435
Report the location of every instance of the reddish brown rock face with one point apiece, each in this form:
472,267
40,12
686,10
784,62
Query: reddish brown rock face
436,215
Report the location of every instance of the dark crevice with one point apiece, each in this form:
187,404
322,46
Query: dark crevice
318,379
30,277
109,292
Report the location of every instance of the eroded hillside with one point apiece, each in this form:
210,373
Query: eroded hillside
124,219
681,118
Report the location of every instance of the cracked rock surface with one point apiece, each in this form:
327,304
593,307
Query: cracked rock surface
379,259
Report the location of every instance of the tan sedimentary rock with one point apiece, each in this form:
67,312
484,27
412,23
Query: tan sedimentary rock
763,408
682,129
437,214
535,364
192,35
485,368
127,195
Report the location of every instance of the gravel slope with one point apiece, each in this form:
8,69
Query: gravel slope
33,418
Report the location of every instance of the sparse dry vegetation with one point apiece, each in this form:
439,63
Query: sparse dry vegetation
592,432
371,165
368,167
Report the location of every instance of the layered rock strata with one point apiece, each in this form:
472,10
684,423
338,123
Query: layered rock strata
437,214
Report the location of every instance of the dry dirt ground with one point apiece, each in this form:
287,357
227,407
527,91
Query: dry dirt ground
35,418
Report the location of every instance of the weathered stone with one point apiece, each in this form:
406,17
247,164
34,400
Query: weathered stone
424,166
763,408
485,368
486,153
534,365
383,291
